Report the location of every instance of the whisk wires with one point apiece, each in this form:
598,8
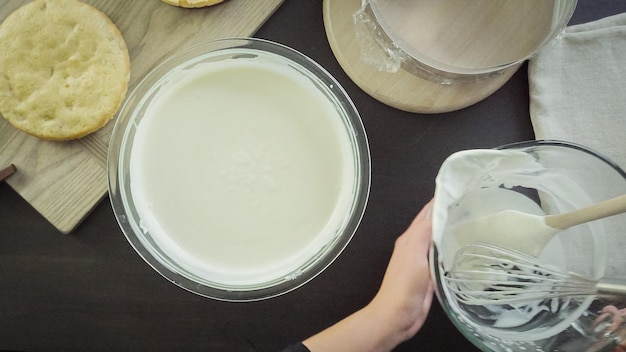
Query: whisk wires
485,274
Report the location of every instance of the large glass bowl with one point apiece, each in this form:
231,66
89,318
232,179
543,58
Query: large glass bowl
546,177
149,241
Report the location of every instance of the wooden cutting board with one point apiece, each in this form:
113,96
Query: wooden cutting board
64,180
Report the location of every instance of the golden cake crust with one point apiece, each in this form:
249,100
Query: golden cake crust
64,69
193,3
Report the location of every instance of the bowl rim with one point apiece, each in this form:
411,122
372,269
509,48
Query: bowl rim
117,173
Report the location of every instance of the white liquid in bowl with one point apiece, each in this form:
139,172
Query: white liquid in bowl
242,170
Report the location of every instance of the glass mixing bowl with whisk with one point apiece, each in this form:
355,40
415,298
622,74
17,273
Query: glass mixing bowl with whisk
541,177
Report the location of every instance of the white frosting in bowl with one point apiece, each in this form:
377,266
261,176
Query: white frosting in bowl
241,171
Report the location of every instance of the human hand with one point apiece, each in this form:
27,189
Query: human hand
399,308
406,293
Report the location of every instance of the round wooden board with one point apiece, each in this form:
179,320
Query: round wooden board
401,90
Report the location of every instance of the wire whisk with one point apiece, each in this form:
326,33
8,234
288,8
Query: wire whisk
484,274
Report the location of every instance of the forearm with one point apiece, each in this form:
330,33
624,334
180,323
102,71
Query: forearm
366,330
400,306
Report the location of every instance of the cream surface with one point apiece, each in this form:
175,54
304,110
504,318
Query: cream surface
524,231
461,197
242,170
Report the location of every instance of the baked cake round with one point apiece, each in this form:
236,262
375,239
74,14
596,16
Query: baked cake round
193,3
64,69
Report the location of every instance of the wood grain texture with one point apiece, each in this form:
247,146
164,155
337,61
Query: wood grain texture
64,180
7,171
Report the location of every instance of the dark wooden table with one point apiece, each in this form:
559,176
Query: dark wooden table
91,291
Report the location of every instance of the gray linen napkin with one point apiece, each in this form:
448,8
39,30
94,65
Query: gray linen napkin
578,87
578,94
